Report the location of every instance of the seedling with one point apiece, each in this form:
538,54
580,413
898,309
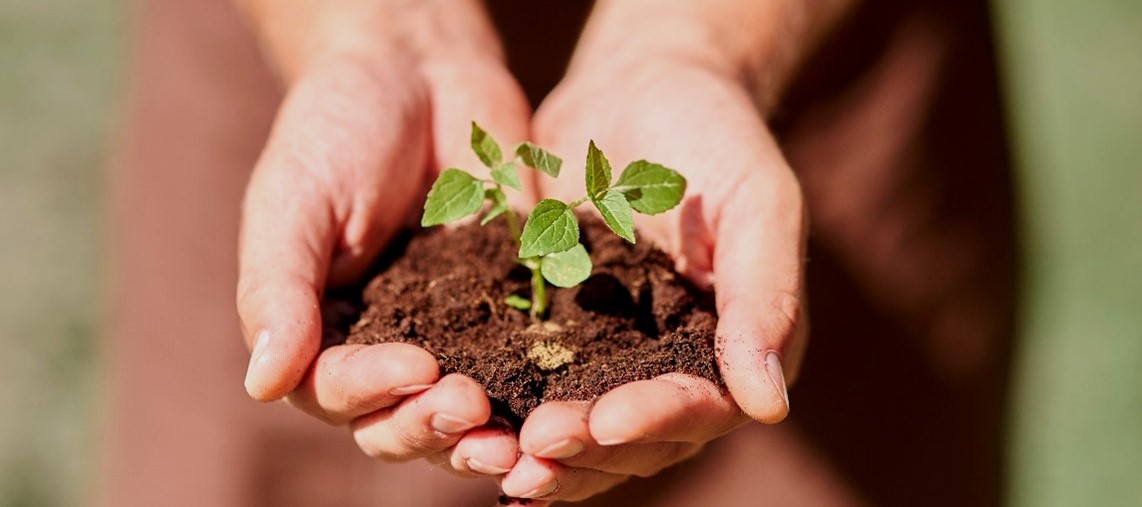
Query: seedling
549,242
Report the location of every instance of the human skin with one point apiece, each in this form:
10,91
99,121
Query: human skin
373,111
693,101
377,105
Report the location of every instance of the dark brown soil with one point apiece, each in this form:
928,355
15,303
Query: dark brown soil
633,319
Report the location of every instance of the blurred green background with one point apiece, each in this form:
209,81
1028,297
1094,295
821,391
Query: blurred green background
1073,74
1073,81
60,74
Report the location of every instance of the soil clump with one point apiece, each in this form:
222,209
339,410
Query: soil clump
444,290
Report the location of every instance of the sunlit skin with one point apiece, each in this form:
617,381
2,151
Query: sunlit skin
371,117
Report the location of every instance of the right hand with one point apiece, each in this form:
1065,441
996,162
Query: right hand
363,129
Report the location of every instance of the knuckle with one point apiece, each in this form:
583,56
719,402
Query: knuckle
246,294
788,310
374,449
379,437
595,457
417,443
400,367
353,403
388,448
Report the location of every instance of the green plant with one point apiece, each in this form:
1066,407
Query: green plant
549,241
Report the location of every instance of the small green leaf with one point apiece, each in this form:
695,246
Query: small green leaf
485,147
567,269
505,174
651,188
616,213
499,204
455,195
551,227
518,302
598,171
538,158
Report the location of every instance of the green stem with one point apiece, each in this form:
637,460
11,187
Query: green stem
513,225
575,204
538,286
538,294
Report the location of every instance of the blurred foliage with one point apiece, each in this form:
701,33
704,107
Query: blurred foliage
60,73
1074,87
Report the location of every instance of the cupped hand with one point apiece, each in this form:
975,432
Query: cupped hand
740,229
353,147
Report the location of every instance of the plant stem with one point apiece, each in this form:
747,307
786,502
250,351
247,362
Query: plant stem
513,225
538,294
538,289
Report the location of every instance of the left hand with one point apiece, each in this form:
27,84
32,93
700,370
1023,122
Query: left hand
740,228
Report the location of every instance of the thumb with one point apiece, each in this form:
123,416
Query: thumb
286,245
758,271
333,183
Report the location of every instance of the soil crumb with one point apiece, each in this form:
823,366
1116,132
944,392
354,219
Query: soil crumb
444,290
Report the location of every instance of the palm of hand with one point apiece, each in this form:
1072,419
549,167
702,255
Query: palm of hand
351,147
740,227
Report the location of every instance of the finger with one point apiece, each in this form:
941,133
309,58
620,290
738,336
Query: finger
559,431
640,460
758,266
348,381
488,450
329,189
426,423
671,408
282,270
556,430
538,478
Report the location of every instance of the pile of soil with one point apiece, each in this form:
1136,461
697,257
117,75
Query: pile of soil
443,290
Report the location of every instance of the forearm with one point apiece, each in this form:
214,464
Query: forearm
296,34
761,43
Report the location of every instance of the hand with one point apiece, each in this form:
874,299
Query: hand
360,134
740,228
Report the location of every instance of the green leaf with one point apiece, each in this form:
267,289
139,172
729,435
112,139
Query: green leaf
499,204
455,195
485,147
551,227
598,171
518,302
651,188
616,213
538,158
505,174
567,269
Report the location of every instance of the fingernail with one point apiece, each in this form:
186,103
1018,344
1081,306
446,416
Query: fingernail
543,490
445,423
409,390
773,367
257,357
612,441
484,468
562,449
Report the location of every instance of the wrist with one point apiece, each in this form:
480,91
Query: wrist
756,43
299,35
